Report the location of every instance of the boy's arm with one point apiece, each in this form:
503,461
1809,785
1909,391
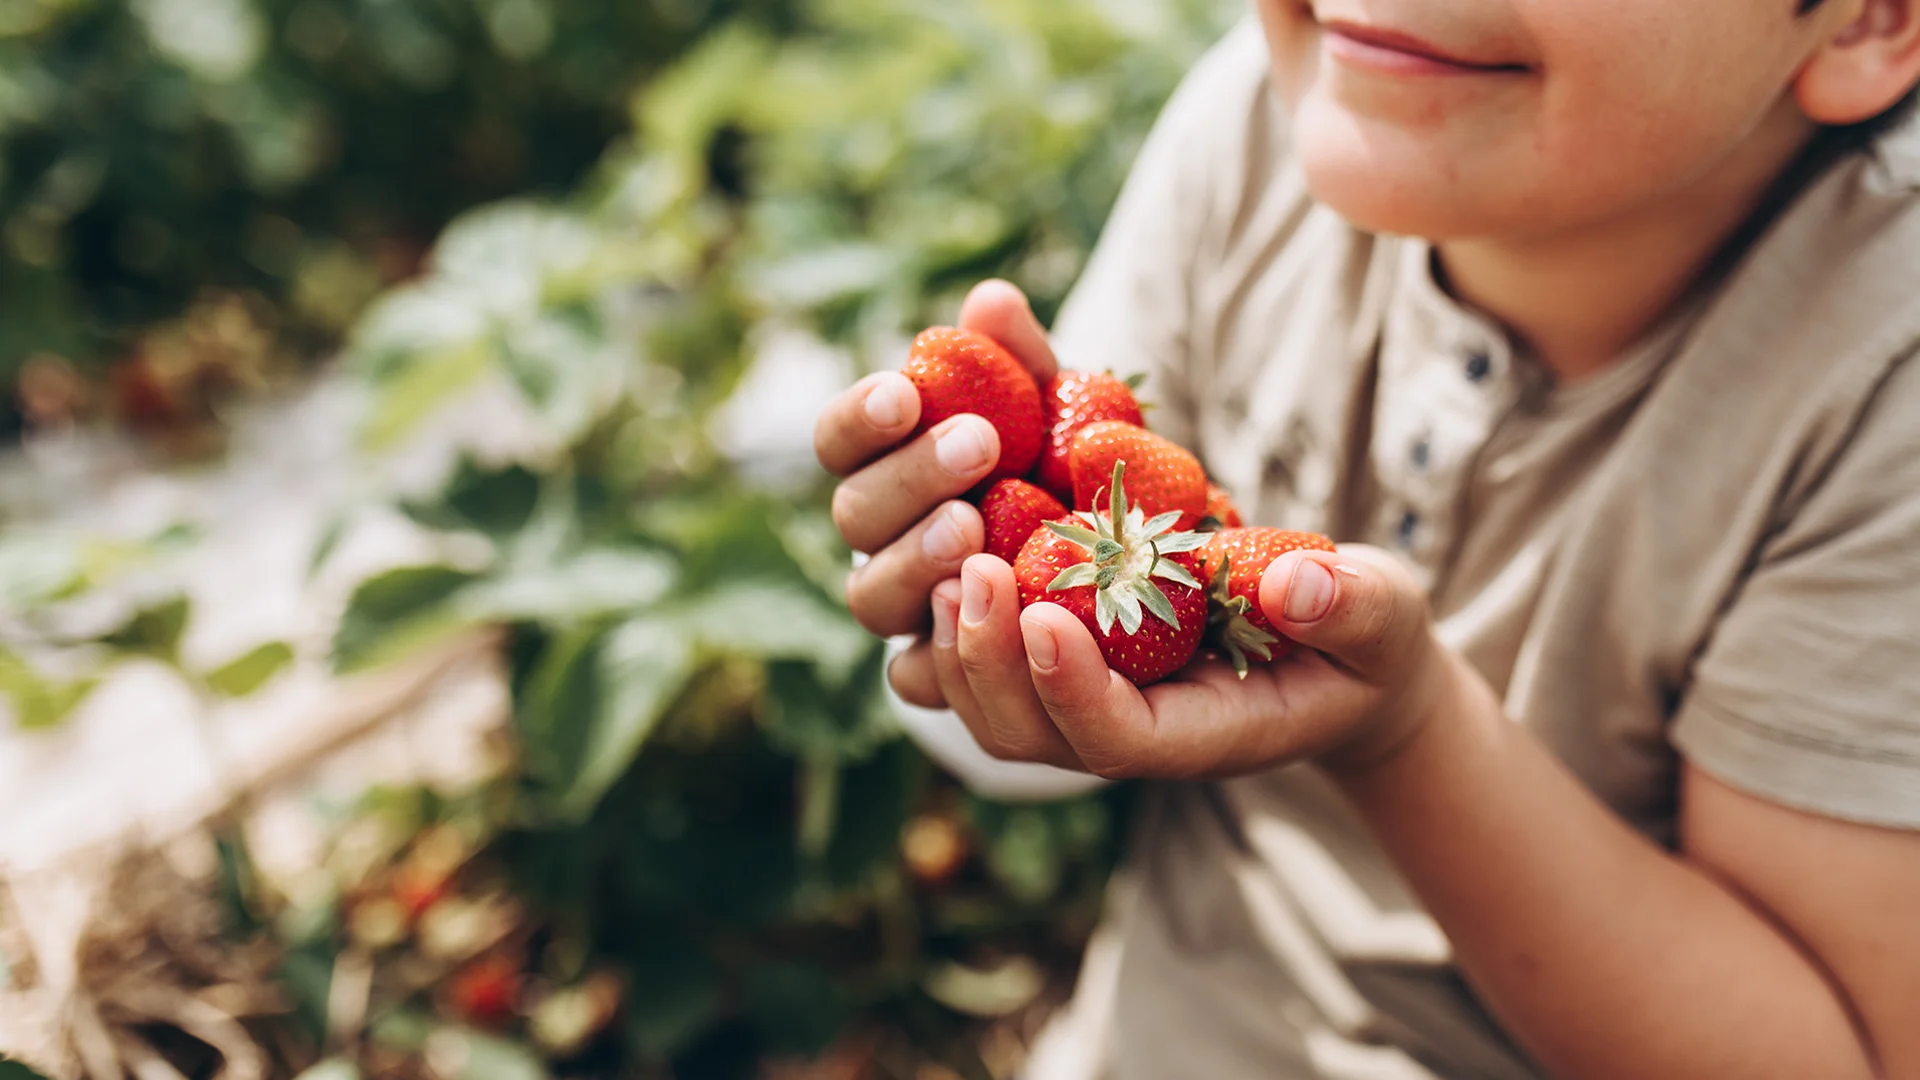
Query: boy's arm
1776,944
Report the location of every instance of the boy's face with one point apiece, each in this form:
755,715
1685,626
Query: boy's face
1515,118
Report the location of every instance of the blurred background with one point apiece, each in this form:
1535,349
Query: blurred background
421,644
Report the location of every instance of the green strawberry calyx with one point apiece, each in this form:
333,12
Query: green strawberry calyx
1125,551
1227,625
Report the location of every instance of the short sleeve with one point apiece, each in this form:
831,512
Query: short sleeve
1808,693
1131,310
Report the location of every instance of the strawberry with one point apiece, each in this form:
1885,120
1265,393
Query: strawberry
958,371
1012,509
1234,561
486,991
1165,476
1113,571
1071,401
1221,513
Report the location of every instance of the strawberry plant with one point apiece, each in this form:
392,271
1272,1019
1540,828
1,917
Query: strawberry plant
713,798
715,855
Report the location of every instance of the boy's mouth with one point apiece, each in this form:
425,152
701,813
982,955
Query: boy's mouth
1396,53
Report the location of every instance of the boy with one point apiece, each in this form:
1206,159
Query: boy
1588,321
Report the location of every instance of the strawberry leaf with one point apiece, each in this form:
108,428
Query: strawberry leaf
1074,577
1159,523
1086,538
1130,613
1156,602
1105,610
1180,541
1175,573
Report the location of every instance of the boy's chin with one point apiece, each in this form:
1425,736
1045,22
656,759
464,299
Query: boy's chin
1401,202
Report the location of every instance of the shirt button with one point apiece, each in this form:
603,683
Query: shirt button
1421,452
1409,525
1479,366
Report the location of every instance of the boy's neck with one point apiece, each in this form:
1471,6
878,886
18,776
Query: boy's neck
1580,299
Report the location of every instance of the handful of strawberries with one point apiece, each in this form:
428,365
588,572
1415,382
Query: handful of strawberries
1103,517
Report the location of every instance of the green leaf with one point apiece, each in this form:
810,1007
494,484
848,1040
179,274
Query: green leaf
13,1070
776,620
39,702
1156,602
642,667
398,611
556,704
331,534
1175,573
1075,576
573,587
810,718
1086,538
407,398
244,674
35,570
494,502
154,631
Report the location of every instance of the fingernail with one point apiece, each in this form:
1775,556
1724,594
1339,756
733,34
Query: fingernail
1042,650
943,618
1310,593
885,410
943,542
975,597
960,447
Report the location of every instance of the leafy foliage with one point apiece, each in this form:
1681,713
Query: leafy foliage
303,150
712,795
714,851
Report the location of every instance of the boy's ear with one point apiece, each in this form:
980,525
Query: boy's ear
1868,62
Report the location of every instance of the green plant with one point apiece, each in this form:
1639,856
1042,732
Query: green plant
712,810
304,151
713,794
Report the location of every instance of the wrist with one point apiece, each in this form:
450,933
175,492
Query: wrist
1434,696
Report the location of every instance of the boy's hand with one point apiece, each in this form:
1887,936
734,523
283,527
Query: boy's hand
1033,686
901,504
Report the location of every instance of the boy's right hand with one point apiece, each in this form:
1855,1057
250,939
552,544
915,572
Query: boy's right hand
903,504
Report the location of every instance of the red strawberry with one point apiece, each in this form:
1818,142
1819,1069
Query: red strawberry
1012,509
1234,560
1128,578
1220,508
1071,401
486,991
958,371
1163,474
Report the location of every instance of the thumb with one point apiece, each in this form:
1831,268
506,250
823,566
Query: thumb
1000,310
1358,605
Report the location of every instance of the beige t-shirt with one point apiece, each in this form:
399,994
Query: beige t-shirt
1712,549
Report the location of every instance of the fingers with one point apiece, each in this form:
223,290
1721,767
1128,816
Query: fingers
888,594
1000,310
1359,606
983,667
874,506
1095,709
914,678
865,421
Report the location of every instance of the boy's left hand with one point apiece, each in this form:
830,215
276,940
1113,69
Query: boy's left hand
1032,685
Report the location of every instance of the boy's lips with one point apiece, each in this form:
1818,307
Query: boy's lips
1397,53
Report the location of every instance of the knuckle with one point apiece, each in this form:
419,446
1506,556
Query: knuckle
861,602
845,510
